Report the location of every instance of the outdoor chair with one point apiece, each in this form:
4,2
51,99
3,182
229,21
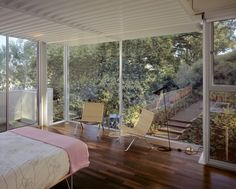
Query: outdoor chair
92,115
140,130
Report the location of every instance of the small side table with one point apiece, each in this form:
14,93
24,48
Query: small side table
113,121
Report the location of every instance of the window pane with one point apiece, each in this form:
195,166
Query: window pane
223,126
93,76
174,64
22,82
2,83
225,52
55,91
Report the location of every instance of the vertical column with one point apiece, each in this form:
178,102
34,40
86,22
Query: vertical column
42,85
7,81
66,83
207,74
120,82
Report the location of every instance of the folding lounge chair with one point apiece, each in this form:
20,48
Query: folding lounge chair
92,115
140,130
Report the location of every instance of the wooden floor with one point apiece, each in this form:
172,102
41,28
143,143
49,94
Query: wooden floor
112,168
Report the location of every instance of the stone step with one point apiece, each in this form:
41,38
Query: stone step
173,129
162,134
178,124
180,121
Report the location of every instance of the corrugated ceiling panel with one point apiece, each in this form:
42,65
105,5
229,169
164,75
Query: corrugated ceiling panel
88,21
215,9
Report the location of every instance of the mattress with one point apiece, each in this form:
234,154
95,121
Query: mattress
30,164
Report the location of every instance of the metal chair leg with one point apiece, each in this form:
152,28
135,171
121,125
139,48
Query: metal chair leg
81,124
118,140
130,144
76,127
71,184
99,132
149,144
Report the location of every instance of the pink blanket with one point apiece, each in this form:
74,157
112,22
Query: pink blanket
76,149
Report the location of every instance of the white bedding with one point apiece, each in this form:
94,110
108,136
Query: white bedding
29,164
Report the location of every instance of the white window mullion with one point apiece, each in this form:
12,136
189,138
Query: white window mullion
42,88
66,83
207,31
120,82
7,81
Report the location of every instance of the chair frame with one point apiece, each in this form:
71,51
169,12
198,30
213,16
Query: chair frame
135,135
137,138
88,105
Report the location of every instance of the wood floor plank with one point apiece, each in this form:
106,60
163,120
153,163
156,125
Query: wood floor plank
140,168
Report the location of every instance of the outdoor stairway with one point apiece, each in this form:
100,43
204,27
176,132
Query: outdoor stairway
176,129
180,122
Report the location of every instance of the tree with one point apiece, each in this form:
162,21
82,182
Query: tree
224,36
147,64
56,79
22,64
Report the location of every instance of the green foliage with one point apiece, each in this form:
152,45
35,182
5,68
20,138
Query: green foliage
56,79
190,75
224,35
132,115
225,120
224,71
188,47
219,123
194,133
22,64
225,68
93,75
149,63
2,66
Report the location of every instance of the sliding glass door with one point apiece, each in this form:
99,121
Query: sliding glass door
220,93
18,83
55,90
22,107
223,126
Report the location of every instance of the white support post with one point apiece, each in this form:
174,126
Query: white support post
7,82
42,86
120,83
207,46
66,83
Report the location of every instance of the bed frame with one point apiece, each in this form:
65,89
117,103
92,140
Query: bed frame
38,135
70,184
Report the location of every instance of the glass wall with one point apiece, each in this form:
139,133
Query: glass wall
2,83
173,64
94,76
140,75
55,91
22,109
148,65
224,61
222,119
223,126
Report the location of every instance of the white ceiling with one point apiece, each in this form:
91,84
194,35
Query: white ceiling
93,21
215,9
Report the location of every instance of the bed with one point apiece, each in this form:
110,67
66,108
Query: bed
34,159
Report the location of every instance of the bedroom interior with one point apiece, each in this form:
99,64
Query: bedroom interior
58,57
